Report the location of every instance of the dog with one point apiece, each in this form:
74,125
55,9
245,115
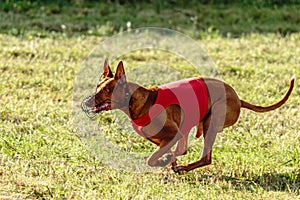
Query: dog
164,115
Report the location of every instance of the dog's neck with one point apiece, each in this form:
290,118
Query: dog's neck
141,100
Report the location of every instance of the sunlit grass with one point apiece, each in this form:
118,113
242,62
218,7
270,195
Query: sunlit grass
42,157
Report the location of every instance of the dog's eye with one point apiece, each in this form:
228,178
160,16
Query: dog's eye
106,90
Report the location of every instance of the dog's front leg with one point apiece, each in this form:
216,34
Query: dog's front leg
163,156
181,148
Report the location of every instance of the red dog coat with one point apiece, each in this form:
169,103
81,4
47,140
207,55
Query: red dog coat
190,94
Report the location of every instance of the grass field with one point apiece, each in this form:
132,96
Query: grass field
256,50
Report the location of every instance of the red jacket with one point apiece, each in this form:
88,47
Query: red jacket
190,94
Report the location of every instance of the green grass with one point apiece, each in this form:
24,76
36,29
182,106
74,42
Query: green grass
42,157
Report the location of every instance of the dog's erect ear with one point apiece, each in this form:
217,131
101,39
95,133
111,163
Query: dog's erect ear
120,73
106,70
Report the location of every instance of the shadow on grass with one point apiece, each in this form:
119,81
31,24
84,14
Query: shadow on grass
277,182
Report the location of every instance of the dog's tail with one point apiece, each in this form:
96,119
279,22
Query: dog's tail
272,107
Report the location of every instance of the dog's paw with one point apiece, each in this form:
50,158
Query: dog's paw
165,159
179,169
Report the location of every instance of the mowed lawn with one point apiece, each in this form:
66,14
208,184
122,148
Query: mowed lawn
42,157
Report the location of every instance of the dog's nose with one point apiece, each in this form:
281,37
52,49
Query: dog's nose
89,101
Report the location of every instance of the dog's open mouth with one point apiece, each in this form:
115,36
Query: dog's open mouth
101,107
91,111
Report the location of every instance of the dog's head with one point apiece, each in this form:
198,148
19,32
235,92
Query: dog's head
111,93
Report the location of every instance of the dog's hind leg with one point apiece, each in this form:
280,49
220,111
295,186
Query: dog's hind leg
182,145
199,130
209,139
212,125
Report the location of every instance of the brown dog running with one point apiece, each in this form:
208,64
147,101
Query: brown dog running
165,129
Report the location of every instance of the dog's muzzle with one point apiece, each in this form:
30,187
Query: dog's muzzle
91,111
87,109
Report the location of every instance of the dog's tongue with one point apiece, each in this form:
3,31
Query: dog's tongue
106,106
